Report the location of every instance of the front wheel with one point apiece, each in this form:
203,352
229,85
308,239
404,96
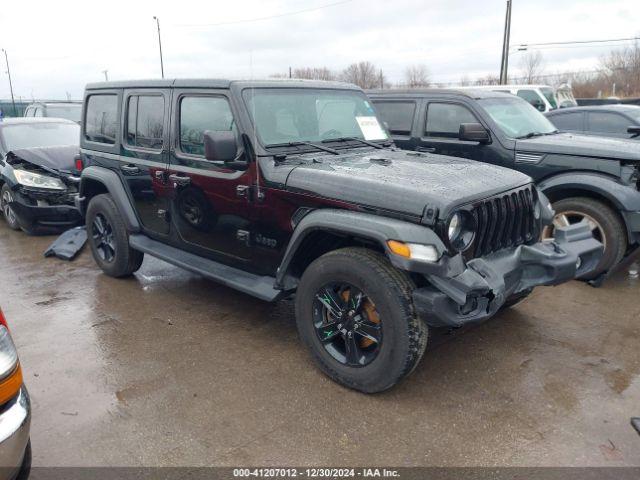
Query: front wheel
605,224
355,312
109,239
6,197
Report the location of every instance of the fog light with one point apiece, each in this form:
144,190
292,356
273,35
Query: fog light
578,263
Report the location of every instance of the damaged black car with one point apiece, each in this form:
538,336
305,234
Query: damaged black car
39,174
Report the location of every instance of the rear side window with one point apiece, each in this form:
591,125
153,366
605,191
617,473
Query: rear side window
201,113
398,115
444,119
145,121
568,121
608,123
101,121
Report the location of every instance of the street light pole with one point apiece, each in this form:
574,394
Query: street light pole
13,102
504,66
159,45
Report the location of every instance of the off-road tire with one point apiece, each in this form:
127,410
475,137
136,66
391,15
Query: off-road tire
12,224
126,260
516,298
404,334
612,226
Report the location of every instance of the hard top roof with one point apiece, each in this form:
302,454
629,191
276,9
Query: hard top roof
219,83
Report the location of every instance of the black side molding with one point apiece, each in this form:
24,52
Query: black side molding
261,287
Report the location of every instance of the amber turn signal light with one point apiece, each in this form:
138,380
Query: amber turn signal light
10,386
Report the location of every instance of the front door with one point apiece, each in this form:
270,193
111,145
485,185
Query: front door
441,128
144,156
210,206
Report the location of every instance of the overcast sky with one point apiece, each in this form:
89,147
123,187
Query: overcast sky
55,47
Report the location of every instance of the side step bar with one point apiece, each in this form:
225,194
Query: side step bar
255,285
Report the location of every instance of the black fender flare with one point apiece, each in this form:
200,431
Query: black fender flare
362,225
624,197
114,186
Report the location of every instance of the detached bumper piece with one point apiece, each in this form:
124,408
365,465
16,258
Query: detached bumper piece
479,289
40,219
68,245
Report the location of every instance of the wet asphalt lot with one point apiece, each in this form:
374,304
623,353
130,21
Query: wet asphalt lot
166,368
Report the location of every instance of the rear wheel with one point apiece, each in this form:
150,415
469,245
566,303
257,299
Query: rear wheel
605,224
109,239
6,197
355,313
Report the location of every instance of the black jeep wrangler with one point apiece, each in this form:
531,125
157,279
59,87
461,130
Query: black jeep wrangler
279,188
586,178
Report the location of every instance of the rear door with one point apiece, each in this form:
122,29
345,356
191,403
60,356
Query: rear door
144,155
572,122
210,201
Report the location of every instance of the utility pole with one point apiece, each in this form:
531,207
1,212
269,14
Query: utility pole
106,75
13,102
290,75
504,66
159,45
381,79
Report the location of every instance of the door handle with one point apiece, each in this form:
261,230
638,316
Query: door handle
179,180
130,169
426,149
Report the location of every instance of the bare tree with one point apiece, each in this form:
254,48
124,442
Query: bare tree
364,74
622,69
314,73
417,76
532,66
464,81
490,79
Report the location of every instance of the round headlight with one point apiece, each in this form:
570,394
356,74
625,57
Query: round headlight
461,230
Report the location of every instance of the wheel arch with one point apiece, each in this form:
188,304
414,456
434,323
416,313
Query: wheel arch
602,188
98,180
322,231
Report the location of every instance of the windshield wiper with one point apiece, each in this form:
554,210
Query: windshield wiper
310,144
354,139
531,135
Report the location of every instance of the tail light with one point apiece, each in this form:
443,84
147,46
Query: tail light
79,163
10,371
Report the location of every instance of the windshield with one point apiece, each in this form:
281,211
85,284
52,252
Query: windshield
635,114
68,112
290,115
550,95
30,135
516,117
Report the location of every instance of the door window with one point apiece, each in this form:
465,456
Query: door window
145,121
199,114
533,98
568,121
444,119
102,118
601,122
398,115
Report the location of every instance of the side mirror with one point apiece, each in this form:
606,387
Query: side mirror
634,131
538,105
220,146
473,132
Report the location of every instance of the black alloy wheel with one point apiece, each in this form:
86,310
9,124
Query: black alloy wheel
347,324
102,234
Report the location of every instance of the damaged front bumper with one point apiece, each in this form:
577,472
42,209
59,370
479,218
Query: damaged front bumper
460,293
45,218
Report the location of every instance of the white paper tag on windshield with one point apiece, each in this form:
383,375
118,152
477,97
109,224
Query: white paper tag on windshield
371,128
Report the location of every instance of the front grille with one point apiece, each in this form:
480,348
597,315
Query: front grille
505,220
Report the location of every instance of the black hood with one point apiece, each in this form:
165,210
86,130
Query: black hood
582,146
60,158
402,182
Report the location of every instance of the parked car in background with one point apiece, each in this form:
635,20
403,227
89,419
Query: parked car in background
617,121
564,96
585,177
15,411
67,110
541,97
282,187
39,174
